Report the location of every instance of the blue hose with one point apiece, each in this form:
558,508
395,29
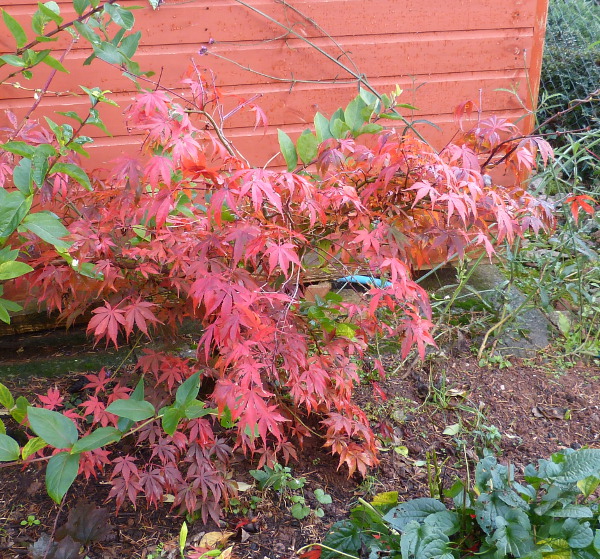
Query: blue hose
366,280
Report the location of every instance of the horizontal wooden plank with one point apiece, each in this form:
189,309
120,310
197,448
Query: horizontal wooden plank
424,54
182,22
436,95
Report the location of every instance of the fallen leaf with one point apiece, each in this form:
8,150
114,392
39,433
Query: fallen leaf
211,540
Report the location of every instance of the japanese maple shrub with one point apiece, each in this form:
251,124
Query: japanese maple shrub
192,232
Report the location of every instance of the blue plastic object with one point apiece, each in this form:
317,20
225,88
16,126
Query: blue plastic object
365,280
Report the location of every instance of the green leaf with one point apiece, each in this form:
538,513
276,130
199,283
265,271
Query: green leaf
345,330
22,177
588,485
385,499
19,148
9,449
86,31
73,171
71,114
13,208
2,428
188,390
98,438
578,535
196,409
308,147
579,465
137,395
13,60
80,6
353,115
15,28
130,44
322,128
32,446
370,128
123,18
287,150
452,430
513,535
19,412
299,511
6,398
572,511
51,12
322,497
15,269
48,228
416,509
56,429
339,129
171,417
132,409
343,536
109,53
60,474
446,521
53,63
183,534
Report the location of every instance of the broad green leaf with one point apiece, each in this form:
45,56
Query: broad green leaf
80,6
86,31
132,409
579,465
22,177
13,60
196,409
48,228
6,398
19,148
54,63
13,208
109,53
19,412
51,12
123,18
60,474
579,535
445,520
188,390
370,128
339,129
343,536
369,97
98,438
416,509
345,330
130,44
322,128
386,499
299,511
287,150
572,511
353,115
71,114
15,29
588,485
32,446
73,171
9,449
513,535
56,429
15,269
307,147
39,167
137,395
171,417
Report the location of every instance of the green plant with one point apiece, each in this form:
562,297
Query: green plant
31,520
551,513
280,479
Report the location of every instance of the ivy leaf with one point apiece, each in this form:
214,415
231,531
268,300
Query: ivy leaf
56,429
136,410
287,150
9,449
98,438
15,28
60,474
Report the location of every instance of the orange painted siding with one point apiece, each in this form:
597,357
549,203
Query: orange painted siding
441,52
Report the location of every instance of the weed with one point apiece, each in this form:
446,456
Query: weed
31,520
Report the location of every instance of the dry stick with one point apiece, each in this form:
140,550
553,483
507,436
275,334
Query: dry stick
62,502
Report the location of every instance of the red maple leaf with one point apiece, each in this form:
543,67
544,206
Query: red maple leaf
139,313
106,322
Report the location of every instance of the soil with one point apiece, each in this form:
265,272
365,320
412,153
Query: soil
441,416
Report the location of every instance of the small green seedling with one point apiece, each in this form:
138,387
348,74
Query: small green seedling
30,521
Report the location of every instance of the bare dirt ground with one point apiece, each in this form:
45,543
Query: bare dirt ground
439,416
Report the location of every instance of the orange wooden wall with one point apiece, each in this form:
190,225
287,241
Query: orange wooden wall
441,52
